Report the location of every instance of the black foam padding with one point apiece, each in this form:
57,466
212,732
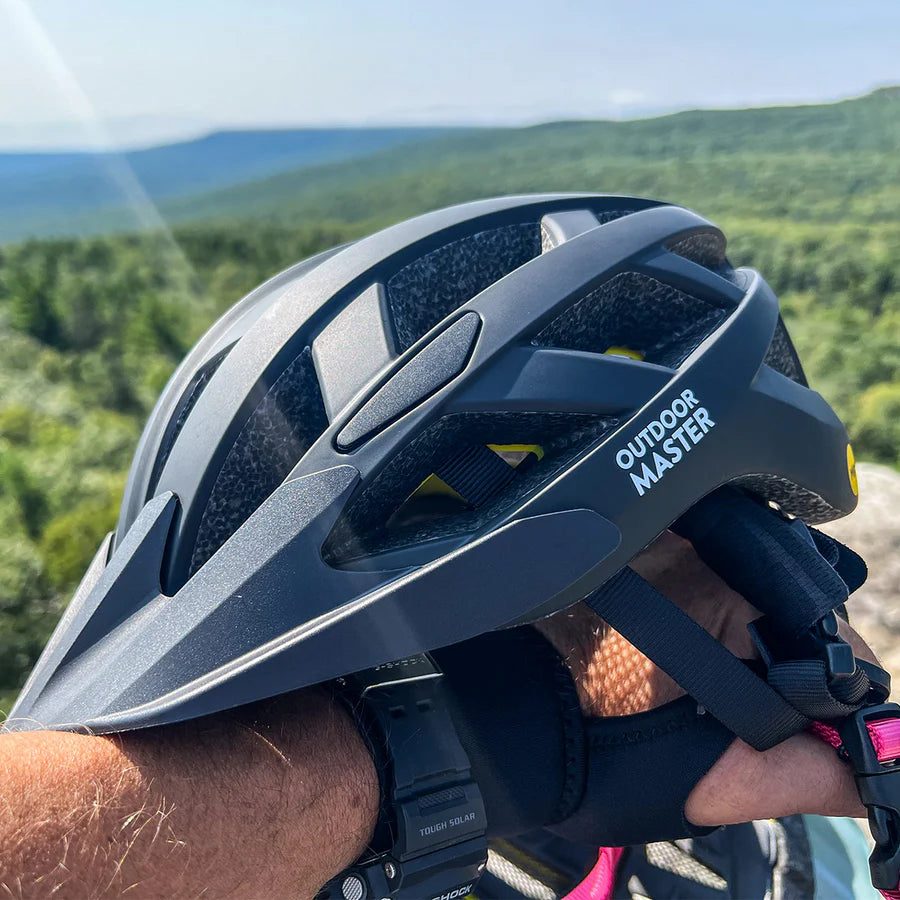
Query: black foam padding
706,248
635,311
790,497
437,363
608,215
782,356
427,290
188,401
279,431
363,527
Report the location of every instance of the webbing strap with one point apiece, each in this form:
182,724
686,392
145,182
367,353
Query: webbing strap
710,673
795,576
772,562
804,684
846,562
476,474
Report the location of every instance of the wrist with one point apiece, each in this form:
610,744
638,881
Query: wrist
276,798
280,794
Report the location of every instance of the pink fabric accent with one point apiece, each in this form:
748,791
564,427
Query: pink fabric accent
826,733
601,879
885,736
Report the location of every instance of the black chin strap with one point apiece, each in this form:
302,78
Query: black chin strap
712,675
796,578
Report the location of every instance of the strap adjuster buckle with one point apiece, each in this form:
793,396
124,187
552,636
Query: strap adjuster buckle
871,742
822,641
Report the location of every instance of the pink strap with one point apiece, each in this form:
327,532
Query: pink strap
885,737
601,879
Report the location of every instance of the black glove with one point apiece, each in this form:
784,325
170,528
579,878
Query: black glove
539,762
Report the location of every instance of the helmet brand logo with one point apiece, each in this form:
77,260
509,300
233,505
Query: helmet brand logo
663,443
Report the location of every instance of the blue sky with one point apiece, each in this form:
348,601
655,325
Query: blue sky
91,71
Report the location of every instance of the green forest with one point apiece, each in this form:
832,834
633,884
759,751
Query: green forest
91,328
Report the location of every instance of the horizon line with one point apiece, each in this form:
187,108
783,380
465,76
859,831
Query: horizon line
649,112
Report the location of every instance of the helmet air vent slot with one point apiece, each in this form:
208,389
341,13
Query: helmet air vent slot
656,321
430,288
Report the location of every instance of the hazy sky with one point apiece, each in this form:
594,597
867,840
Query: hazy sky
156,68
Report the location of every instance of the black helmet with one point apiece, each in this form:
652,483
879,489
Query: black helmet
468,420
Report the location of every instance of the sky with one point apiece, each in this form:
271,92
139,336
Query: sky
112,72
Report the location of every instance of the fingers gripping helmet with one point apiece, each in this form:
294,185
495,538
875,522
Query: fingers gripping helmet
465,421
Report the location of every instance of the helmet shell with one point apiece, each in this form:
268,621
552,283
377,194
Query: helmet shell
271,534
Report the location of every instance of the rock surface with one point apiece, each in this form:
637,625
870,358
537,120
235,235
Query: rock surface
873,530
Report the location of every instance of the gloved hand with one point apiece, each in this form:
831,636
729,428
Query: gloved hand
540,762
575,729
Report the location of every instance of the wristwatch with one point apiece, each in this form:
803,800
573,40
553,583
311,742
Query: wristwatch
430,841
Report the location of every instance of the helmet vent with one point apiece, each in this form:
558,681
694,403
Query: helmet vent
790,497
557,228
186,404
279,431
782,356
706,248
464,489
428,289
661,323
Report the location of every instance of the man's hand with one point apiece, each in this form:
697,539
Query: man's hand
802,775
268,803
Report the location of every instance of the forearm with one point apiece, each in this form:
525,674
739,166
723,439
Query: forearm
270,802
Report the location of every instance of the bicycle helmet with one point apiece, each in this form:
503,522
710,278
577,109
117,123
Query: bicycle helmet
468,420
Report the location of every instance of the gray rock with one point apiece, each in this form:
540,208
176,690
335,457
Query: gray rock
873,530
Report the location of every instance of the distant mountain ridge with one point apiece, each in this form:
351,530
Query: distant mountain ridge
843,152
50,193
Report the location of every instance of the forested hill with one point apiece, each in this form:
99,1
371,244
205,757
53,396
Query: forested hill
78,193
825,163
91,329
